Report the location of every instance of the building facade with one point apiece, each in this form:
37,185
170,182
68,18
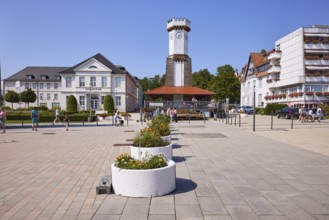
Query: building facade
295,72
89,81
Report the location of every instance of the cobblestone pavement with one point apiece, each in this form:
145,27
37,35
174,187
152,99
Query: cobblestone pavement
223,172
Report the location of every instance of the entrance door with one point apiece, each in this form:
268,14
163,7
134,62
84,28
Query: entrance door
94,103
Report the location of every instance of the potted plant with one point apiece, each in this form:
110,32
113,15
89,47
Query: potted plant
151,176
149,141
103,115
161,124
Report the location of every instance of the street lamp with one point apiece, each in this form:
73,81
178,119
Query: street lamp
254,112
90,102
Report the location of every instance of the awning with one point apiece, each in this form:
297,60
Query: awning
178,90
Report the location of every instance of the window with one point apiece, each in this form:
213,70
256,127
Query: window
248,86
93,81
41,85
102,100
48,85
41,96
55,85
92,67
260,83
104,81
43,104
27,85
55,96
48,96
34,85
117,82
82,100
118,100
82,81
260,101
68,82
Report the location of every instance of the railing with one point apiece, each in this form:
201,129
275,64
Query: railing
197,106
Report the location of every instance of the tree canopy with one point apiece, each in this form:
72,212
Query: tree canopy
202,79
109,104
226,84
28,96
72,104
11,96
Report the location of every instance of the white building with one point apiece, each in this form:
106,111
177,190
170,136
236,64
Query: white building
296,72
89,81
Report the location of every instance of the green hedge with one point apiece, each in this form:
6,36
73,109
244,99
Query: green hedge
49,116
273,108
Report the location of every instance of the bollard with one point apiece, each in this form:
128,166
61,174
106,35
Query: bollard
127,119
97,122
239,120
292,121
189,119
53,120
204,118
22,121
272,121
231,116
234,119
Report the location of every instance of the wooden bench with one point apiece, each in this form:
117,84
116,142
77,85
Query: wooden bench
193,116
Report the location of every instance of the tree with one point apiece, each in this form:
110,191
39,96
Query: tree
202,79
226,84
12,96
108,104
72,104
152,83
28,96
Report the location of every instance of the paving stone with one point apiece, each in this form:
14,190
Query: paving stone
162,205
212,206
241,212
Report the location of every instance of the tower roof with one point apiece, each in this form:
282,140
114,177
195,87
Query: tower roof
179,24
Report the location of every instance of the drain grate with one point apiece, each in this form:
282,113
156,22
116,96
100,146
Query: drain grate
48,133
129,131
205,135
192,126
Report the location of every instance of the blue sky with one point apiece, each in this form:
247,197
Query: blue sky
133,33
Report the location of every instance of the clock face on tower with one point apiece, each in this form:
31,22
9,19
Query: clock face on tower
179,35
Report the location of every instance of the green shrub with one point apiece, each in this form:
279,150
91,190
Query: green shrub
273,108
149,137
72,104
108,104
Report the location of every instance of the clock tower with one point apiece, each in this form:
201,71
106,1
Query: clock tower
179,66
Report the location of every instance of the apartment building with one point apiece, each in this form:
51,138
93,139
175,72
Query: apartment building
89,81
295,72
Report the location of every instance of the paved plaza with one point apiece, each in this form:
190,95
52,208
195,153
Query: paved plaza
223,171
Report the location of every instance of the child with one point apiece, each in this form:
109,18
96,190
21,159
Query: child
67,121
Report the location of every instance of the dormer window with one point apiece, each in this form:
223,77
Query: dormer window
44,77
58,77
30,77
92,67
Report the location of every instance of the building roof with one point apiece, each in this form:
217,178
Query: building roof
258,59
115,69
178,90
36,72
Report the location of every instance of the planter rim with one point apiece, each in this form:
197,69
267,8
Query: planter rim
170,163
152,147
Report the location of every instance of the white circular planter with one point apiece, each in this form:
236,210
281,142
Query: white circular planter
243,115
144,183
135,152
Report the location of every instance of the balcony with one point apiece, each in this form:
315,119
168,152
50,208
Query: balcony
274,55
316,46
317,62
274,69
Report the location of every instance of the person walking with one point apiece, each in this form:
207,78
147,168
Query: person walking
3,118
35,118
116,117
67,122
319,114
57,115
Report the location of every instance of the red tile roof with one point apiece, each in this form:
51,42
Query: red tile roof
178,90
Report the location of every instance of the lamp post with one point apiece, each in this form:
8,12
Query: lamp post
254,112
90,102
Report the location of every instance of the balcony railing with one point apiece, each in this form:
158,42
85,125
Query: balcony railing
314,46
274,69
274,55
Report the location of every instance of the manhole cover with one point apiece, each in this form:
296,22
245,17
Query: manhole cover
205,135
121,145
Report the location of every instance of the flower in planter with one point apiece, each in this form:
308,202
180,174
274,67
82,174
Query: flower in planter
103,115
125,161
149,137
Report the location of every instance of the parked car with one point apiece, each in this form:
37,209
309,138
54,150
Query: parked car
247,109
287,112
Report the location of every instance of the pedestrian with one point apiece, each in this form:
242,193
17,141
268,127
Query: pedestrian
116,117
35,118
313,112
3,118
57,115
67,122
319,113
175,115
303,113
300,111
171,114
